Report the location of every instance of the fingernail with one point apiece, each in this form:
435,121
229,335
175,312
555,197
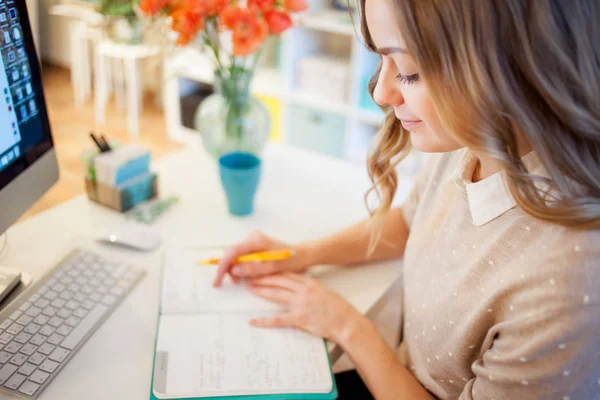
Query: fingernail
237,271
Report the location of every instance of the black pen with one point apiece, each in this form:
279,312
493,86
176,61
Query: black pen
97,143
106,145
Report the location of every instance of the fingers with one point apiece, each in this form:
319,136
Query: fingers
254,242
255,269
279,321
277,295
285,281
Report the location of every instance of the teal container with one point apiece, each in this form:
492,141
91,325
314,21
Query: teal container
240,176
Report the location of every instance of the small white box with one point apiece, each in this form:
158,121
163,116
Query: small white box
324,76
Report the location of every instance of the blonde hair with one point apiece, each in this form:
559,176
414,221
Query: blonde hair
497,69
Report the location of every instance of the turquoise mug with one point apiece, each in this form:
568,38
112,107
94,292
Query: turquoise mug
240,176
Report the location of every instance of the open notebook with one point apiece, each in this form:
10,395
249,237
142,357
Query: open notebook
205,347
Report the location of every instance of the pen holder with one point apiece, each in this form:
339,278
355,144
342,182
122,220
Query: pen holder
125,196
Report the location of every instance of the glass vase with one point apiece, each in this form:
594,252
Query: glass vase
231,119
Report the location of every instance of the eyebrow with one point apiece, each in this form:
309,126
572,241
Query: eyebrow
389,50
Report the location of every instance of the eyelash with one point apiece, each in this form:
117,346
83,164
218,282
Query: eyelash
408,79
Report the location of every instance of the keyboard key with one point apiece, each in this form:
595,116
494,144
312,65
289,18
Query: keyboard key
66,280
46,348
56,321
59,303
18,359
32,328
49,366
59,287
6,372
121,271
28,349
64,330
15,315
33,311
75,287
59,354
14,329
39,377
5,324
12,347
95,297
50,295
72,321
29,388
50,311
81,280
15,381
42,303
52,281
4,357
6,337
47,330
41,319
37,358
63,313
71,305
117,291
102,289
88,304
26,369
55,338
94,282
80,312
22,338
24,320
37,339
25,306
67,295
34,297
79,297
86,325
43,290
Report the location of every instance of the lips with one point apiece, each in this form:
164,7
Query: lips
409,124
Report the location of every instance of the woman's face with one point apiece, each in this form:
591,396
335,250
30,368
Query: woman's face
400,85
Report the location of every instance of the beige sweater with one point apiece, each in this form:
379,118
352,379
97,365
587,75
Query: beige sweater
496,305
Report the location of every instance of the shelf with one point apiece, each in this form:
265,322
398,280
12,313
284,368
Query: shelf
331,21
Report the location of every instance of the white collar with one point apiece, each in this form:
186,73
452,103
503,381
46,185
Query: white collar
489,198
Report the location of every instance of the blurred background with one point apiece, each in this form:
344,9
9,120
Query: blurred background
106,69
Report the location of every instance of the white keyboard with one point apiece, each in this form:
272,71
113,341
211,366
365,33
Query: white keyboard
42,329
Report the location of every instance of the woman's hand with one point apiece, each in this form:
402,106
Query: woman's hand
311,306
256,242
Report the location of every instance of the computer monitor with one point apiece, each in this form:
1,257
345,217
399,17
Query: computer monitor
28,166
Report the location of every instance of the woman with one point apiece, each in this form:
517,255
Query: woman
500,235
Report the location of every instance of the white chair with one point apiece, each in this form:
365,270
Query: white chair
126,64
86,25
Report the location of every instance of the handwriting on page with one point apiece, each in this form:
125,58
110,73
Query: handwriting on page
187,288
221,354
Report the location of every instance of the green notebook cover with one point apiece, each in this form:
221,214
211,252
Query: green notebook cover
295,396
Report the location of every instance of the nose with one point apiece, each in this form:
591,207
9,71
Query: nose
387,91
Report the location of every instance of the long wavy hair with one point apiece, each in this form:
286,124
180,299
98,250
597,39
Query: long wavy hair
497,69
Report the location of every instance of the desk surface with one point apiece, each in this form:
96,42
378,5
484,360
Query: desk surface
302,196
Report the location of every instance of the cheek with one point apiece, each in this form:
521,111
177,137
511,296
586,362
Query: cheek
431,138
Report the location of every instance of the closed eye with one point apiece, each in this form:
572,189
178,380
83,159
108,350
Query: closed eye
408,79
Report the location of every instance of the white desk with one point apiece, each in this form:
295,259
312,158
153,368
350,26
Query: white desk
302,196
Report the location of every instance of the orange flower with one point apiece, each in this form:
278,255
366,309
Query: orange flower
152,7
295,5
187,24
249,31
214,7
262,5
278,21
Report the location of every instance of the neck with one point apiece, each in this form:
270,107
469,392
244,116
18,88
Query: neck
487,165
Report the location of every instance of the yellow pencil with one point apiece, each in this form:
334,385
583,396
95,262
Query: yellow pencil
273,255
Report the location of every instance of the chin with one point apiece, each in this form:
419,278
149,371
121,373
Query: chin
427,142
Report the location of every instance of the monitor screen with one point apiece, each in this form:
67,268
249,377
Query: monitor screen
24,130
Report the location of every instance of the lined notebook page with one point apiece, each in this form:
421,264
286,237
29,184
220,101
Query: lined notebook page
187,287
221,355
